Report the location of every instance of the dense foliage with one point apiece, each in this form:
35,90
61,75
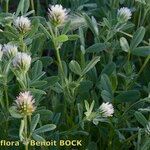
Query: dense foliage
75,70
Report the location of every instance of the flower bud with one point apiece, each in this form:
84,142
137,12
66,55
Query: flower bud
23,24
22,62
57,14
25,103
10,50
124,14
106,110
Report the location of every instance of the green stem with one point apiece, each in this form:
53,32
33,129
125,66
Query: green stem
144,65
129,55
59,61
26,147
32,6
141,70
22,43
129,35
6,96
140,101
7,6
26,133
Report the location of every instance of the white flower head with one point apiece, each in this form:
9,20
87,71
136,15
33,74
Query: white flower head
106,109
23,24
22,61
25,103
57,14
1,52
10,50
124,14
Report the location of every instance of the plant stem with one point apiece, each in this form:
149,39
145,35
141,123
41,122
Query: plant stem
59,61
7,6
129,35
22,43
144,65
32,6
6,96
141,70
26,132
26,147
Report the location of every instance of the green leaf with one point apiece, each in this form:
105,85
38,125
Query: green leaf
62,38
107,97
57,88
92,106
87,106
141,51
14,113
52,80
38,137
46,61
46,114
128,96
38,83
81,35
34,122
92,24
141,1
45,128
106,84
37,68
109,68
23,7
124,44
75,67
34,29
137,37
96,48
66,27
95,26
20,7
140,118
9,35
45,31
26,6
73,37
37,91
114,81
106,23
85,86
90,65
12,30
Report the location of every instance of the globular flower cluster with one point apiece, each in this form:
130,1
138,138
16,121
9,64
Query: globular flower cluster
22,61
10,50
105,110
23,24
124,14
57,14
25,103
